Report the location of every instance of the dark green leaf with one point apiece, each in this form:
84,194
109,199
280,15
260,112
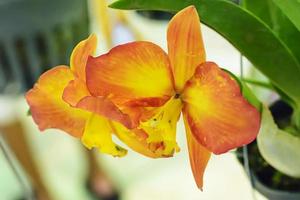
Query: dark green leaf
292,10
267,11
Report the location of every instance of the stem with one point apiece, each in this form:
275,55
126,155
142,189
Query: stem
245,147
258,83
296,119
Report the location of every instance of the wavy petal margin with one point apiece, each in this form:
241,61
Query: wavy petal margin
80,56
47,107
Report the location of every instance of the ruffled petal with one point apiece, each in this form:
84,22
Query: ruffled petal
161,127
98,133
104,107
185,46
135,139
199,156
131,72
80,55
47,107
75,91
219,116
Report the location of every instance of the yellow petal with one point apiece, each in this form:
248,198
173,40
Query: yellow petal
80,55
98,133
161,128
185,46
135,139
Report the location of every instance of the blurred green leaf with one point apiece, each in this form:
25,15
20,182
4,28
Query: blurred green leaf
267,11
292,10
259,83
246,91
250,35
285,98
278,147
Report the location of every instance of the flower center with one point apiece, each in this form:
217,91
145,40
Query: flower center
177,95
161,128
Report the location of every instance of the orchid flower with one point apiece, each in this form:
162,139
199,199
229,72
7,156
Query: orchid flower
140,74
138,92
55,103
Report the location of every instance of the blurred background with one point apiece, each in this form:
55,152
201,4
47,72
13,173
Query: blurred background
36,35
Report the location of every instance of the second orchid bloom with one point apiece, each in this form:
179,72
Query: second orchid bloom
138,92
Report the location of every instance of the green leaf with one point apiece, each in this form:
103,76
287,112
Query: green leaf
262,9
259,83
29,112
248,94
250,35
285,98
268,12
292,10
279,148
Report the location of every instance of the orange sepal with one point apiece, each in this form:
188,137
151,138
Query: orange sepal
75,91
219,116
199,156
106,108
129,72
47,107
80,55
185,46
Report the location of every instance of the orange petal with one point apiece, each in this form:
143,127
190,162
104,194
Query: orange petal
144,102
185,46
80,55
47,107
199,156
104,107
129,72
75,91
219,116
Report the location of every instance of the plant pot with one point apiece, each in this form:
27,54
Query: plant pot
267,180
273,194
262,174
155,15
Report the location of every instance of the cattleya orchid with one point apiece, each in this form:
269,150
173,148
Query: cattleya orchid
138,92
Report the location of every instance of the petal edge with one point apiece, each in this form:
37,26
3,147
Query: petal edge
185,45
219,116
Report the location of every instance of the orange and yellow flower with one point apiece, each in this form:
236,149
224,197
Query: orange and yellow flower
138,92
55,102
